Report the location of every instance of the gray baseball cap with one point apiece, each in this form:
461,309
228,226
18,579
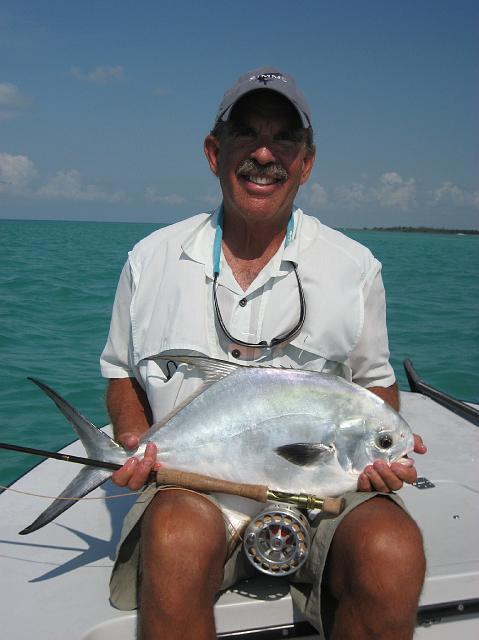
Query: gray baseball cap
265,78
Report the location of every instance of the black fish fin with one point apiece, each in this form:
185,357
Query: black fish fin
81,485
305,453
95,441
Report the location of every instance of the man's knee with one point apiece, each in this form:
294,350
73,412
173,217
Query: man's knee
183,528
378,550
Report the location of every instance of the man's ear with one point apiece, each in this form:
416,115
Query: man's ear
308,162
211,148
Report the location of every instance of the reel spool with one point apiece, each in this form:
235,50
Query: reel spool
277,540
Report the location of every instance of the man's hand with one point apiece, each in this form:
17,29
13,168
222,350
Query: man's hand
134,473
382,477
128,406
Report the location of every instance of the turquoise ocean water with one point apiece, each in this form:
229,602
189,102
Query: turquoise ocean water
58,279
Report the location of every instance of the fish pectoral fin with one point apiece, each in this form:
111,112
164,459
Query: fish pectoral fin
305,453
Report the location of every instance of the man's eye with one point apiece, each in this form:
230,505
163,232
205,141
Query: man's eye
295,135
244,133
286,136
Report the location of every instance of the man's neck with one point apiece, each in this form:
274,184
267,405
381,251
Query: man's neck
249,247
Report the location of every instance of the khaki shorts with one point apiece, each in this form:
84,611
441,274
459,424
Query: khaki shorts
305,583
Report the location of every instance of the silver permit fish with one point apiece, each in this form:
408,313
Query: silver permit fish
293,430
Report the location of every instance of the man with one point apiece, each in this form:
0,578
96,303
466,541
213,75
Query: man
228,285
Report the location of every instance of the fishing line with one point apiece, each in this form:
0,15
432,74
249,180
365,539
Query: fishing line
117,495
40,495
234,532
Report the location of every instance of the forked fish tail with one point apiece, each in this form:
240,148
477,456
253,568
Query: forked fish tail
98,445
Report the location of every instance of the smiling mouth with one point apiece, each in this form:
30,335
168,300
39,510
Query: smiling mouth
262,175
261,180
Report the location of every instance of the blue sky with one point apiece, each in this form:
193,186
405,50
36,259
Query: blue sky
104,105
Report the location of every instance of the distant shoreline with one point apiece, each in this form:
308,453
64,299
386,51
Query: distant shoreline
441,230
465,232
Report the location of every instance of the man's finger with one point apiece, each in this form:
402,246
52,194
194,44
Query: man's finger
376,480
407,474
387,475
363,483
419,446
144,468
122,476
129,441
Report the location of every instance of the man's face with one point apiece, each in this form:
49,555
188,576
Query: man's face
261,158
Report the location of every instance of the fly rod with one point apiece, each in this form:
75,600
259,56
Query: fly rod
60,456
199,482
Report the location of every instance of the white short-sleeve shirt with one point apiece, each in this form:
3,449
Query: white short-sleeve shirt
164,304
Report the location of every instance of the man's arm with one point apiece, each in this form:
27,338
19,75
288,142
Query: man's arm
129,410
380,476
131,416
388,394
371,369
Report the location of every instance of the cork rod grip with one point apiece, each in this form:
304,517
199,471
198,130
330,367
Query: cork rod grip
199,482
333,506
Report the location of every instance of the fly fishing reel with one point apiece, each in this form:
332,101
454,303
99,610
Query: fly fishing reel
277,540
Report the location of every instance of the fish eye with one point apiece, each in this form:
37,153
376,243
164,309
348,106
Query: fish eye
384,440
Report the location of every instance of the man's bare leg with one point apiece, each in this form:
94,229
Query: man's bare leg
183,548
375,572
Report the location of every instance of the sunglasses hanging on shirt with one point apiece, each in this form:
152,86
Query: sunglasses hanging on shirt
263,344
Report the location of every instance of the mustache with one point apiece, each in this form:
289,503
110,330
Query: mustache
271,170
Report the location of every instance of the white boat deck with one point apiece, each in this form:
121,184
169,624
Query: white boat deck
55,581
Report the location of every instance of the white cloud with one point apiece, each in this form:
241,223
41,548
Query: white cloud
394,191
16,173
450,193
317,197
211,199
98,75
12,101
67,185
11,97
352,195
388,192
152,195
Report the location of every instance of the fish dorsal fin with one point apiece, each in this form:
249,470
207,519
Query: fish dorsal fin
212,369
303,454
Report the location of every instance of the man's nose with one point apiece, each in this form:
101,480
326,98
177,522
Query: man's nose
263,152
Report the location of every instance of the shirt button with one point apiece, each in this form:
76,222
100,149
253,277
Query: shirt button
242,302
236,353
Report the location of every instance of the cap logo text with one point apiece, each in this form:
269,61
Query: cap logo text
268,77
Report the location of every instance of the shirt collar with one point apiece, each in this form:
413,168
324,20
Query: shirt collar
199,244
